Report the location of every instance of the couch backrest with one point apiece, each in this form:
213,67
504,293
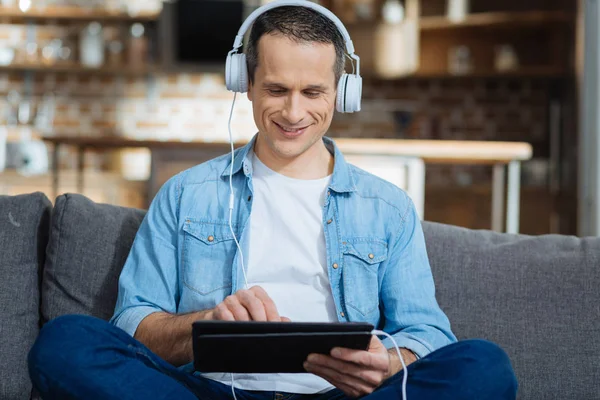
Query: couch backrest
24,222
88,247
537,297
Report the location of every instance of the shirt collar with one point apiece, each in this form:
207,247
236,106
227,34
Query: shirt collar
241,160
342,180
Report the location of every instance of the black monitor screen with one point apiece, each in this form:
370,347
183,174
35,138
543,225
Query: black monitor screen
206,29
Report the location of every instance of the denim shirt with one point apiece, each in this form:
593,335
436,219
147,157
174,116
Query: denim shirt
184,257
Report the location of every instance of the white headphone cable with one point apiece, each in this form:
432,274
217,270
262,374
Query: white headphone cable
405,377
231,197
231,202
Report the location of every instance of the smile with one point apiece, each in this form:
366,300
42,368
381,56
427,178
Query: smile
290,132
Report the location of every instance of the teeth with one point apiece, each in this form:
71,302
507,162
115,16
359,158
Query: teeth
291,130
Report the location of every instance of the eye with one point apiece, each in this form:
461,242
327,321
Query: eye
312,94
276,92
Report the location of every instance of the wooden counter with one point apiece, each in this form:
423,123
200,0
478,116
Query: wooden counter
431,151
441,151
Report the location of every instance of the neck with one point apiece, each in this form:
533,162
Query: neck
314,163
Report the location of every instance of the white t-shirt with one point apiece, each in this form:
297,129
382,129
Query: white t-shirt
287,258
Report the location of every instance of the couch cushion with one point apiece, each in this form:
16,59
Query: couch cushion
537,297
88,246
24,224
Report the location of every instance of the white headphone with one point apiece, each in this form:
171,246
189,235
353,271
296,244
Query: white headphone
349,91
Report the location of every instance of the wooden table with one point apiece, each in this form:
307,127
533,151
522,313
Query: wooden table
503,156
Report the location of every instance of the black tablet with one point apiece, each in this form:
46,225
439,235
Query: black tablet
270,347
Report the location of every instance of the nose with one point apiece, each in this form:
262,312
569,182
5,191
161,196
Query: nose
293,111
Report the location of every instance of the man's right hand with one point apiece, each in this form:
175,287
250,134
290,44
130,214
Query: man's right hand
170,336
253,304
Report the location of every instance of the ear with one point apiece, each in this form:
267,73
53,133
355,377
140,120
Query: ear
249,93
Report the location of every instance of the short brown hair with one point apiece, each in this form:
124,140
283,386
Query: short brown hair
300,24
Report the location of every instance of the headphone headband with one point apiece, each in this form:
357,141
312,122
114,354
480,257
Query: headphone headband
239,39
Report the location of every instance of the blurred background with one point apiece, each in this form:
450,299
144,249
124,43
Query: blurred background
111,97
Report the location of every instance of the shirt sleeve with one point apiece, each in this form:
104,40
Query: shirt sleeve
412,314
149,280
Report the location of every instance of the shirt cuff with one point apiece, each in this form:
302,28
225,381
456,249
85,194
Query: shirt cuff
419,348
130,318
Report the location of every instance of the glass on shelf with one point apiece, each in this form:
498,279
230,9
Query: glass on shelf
65,55
69,52
91,45
114,45
7,55
51,52
31,53
460,61
138,46
505,58
115,52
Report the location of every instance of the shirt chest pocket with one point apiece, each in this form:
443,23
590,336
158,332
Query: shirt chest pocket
360,273
208,252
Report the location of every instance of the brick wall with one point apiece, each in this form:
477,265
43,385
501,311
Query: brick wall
454,109
196,107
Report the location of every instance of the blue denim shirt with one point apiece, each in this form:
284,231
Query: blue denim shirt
184,258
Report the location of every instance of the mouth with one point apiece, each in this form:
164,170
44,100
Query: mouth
290,132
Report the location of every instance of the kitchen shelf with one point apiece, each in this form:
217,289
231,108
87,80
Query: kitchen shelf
497,19
64,13
537,71
523,72
76,68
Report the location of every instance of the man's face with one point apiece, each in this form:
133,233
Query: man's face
293,96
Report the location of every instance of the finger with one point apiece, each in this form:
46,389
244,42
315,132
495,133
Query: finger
252,304
370,377
376,361
376,344
354,387
222,313
285,319
270,309
238,310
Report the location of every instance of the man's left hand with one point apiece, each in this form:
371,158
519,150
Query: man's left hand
356,372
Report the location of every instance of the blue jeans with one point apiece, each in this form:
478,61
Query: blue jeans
81,357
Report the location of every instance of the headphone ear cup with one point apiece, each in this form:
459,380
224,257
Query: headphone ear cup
228,72
236,73
349,93
341,94
243,73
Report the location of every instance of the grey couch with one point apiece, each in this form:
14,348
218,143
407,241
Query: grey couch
537,297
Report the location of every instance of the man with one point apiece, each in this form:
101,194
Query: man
323,240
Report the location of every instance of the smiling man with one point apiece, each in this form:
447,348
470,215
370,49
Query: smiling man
324,242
